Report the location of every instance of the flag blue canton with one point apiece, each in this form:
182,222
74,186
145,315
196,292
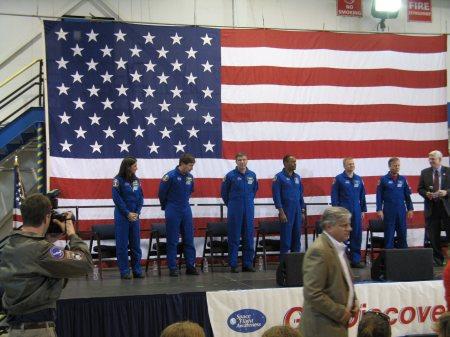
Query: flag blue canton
117,89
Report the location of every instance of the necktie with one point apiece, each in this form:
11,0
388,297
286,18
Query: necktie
436,181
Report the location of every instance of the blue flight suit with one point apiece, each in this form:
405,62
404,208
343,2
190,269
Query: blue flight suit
394,197
127,197
175,190
350,193
238,193
287,193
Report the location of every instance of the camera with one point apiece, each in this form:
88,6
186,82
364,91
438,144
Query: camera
62,217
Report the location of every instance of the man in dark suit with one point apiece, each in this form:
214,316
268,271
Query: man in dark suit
434,187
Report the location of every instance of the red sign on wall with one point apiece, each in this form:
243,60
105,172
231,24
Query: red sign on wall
349,7
419,10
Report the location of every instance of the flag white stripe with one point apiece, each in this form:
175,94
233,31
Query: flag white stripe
326,58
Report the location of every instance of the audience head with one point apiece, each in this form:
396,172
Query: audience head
281,331
36,210
442,326
183,329
374,324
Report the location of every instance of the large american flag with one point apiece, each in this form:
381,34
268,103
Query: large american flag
117,89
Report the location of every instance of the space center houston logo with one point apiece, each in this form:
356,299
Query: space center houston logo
246,320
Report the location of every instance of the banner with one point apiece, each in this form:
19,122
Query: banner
349,7
413,307
419,10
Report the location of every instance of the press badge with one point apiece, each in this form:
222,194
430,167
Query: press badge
250,180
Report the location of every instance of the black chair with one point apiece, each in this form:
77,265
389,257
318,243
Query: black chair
159,248
265,229
376,226
317,230
101,251
215,241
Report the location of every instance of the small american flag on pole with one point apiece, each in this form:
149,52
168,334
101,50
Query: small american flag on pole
19,195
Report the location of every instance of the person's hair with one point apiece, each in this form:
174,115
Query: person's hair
374,324
286,158
124,171
393,160
281,331
345,159
240,154
435,154
183,329
334,215
442,326
187,159
34,209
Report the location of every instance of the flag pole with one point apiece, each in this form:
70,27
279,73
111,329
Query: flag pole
40,158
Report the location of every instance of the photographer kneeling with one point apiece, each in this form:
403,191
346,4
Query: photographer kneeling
33,271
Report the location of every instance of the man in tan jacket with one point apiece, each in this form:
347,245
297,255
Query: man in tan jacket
330,298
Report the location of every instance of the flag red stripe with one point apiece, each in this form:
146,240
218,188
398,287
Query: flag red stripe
334,41
333,149
333,77
101,188
333,113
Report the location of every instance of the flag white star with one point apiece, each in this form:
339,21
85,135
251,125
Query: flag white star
148,38
163,78
109,132
61,35
136,104
96,147
179,147
206,39
153,148
62,63
208,118
95,120
191,78
191,53
135,51
121,63
136,76
207,66
150,66
193,132
120,36
150,119
209,146
79,104
149,91
176,65
93,91
176,92
107,104
165,133
178,119
91,64
192,105
176,39
124,146
65,118
65,146
80,133
106,51
92,36
139,132
162,52
63,89
164,106
122,90
77,50
106,77
77,77
208,92
123,118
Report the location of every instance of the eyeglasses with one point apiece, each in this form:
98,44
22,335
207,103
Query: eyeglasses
379,314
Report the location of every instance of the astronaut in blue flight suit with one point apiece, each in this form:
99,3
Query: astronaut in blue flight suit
175,190
238,193
287,193
128,200
348,191
393,199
